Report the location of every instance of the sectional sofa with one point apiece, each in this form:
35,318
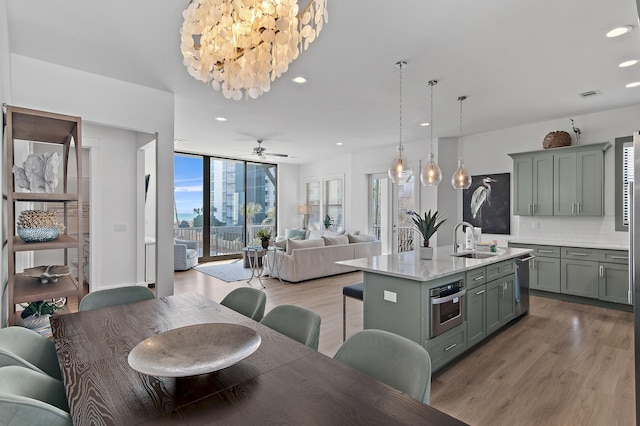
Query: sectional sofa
315,258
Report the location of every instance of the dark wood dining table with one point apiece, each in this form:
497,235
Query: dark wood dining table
282,382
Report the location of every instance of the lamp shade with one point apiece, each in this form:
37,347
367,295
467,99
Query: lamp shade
431,175
400,170
306,209
461,179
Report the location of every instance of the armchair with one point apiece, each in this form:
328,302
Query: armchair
185,254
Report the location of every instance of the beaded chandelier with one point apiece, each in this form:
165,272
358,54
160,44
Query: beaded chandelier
241,46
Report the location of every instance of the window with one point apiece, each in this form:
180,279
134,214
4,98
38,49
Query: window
325,196
221,203
624,175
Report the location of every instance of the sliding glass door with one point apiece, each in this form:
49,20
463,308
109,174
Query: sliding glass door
221,203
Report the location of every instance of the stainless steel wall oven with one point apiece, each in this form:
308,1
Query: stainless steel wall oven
447,307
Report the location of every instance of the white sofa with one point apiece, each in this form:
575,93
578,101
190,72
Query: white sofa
314,262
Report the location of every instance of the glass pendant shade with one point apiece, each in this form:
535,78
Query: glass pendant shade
431,174
400,170
461,178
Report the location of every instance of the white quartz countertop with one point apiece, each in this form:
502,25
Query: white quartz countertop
580,244
409,265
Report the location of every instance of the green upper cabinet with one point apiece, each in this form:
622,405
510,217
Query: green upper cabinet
578,183
533,177
560,182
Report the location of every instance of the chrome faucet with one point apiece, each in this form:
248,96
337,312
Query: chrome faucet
455,231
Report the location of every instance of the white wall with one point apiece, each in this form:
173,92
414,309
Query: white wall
114,103
288,178
5,97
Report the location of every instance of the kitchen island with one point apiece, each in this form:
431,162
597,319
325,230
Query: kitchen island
399,288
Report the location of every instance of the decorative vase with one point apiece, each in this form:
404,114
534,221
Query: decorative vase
38,235
426,252
265,244
36,321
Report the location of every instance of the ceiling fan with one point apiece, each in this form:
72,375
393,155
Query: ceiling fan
261,152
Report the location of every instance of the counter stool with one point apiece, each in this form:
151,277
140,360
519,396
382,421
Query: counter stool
354,291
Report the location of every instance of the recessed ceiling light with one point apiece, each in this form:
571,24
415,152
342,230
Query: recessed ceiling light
619,31
634,84
221,119
425,124
179,141
628,63
339,143
299,80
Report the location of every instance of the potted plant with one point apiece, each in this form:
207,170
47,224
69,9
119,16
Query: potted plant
265,235
328,222
426,226
36,314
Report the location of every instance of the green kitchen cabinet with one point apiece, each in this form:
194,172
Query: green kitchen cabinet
476,305
533,180
578,183
613,280
545,274
500,303
579,278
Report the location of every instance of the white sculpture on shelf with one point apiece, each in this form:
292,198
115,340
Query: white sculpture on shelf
39,173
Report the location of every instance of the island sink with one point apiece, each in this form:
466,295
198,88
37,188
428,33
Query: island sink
474,255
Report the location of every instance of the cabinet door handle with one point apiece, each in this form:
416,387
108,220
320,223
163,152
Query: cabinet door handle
601,271
620,257
481,277
573,208
578,254
480,292
448,348
578,209
530,209
545,251
534,208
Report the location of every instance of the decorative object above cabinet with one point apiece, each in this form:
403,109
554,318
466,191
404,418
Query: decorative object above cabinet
565,181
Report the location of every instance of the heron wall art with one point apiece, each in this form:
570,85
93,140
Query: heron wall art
487,203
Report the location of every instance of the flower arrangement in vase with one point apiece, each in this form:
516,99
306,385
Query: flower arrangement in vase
265,235
426,226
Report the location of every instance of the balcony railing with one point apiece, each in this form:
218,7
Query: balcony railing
223,240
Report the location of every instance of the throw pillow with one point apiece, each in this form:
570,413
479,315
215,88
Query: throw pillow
291,233
336,241
314,234
294,244
364,238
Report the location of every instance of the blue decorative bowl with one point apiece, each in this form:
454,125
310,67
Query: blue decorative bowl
38,235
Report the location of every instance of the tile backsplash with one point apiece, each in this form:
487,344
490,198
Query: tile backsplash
569,229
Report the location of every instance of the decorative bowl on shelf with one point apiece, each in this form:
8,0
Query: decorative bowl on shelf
38,235
49,273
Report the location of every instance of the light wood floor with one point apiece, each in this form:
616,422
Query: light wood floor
563,364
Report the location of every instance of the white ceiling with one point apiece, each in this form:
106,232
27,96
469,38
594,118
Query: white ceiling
518,62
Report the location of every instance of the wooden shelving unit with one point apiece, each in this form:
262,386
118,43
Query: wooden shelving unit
33,126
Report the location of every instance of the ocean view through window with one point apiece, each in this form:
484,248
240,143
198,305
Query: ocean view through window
222,203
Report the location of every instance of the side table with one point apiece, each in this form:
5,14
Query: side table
273,259
254,256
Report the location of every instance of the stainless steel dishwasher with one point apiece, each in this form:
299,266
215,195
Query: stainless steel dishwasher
522,284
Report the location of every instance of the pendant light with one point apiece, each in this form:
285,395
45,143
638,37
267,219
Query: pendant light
400,169
461,178
431,175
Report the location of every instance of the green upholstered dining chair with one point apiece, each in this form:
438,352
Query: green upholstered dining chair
295,322
31,398
395,360
114,296
24,347
250,302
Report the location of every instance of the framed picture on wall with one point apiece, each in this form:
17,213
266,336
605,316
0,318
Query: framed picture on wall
487,202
